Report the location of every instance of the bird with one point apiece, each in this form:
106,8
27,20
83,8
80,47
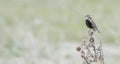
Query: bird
90,23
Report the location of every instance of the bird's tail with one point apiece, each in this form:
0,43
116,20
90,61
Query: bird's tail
98,30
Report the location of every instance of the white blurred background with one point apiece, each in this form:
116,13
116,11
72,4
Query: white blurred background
48,31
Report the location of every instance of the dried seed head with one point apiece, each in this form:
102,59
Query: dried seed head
82,56
91,39
78,49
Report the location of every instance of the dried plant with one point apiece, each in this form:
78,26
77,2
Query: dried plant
90,53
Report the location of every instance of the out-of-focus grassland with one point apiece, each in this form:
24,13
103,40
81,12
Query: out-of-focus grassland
40,28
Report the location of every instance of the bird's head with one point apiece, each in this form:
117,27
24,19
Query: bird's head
88,17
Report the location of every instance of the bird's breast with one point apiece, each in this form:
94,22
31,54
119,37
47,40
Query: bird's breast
89,24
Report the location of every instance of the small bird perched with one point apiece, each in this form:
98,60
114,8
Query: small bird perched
90,24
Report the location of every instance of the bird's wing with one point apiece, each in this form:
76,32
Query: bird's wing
94,25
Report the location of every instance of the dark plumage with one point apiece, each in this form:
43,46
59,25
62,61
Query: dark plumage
90,24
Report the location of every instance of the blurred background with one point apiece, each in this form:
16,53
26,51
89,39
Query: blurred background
48,31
